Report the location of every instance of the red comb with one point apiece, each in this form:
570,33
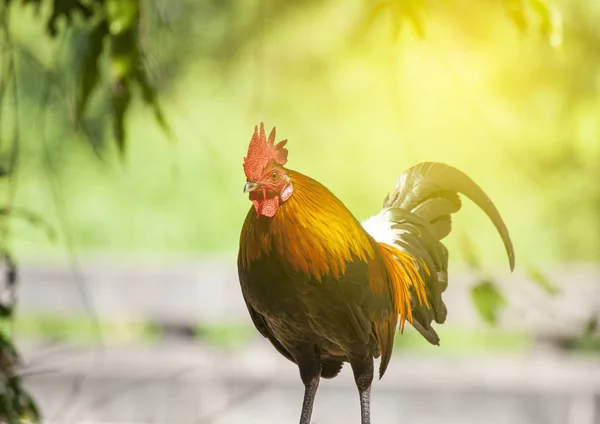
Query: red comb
261,151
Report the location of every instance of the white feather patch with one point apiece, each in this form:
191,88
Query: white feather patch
380,229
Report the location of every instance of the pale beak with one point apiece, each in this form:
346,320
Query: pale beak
251,187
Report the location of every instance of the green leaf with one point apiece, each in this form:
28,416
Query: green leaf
401,11
589,341
89,74
542,280
150,96
66,9
122,15
412,11
124,55
370,16
516,11
30,412
120,102
9,281
127,68
123,62
488,300
551,21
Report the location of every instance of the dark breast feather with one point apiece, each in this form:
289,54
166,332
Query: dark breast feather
335,314
263,328
258,320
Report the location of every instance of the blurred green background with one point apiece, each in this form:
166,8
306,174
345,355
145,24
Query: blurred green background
359,100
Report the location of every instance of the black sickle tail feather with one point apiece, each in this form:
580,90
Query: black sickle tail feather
420,209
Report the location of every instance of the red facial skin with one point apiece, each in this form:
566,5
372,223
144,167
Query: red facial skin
274,188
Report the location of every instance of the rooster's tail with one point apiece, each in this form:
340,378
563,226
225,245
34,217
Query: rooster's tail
416,216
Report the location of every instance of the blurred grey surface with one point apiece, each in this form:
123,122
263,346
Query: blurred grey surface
178,381
188,383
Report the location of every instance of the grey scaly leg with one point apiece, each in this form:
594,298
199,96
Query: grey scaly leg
365,405
310,391
363,376
309,364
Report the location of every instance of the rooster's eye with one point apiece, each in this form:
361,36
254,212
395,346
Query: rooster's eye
274,176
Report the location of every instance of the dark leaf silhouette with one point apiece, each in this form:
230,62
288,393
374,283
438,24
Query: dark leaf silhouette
488,300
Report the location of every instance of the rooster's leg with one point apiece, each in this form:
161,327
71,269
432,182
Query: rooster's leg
310,391
363,376
310,372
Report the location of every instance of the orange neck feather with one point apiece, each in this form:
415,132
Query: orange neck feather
312,230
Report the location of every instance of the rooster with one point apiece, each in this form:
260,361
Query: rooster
326,289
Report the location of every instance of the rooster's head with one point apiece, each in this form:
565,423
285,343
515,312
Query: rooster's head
267,180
